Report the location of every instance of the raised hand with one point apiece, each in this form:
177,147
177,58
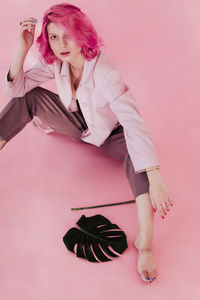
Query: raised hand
27,33
159,194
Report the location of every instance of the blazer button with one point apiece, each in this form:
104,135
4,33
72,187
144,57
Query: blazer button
85,104
92,125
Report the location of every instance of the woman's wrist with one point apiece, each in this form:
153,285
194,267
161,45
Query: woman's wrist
152,172
152,169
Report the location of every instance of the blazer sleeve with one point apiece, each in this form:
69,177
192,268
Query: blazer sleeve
26,81
137,136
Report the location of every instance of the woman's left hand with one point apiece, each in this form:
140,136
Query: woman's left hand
160,197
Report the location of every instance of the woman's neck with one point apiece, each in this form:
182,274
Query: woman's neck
77,68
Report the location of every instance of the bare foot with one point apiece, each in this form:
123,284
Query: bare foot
146,263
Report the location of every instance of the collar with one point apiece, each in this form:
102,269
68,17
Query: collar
87,74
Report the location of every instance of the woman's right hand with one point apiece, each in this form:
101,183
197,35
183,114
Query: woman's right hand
27,32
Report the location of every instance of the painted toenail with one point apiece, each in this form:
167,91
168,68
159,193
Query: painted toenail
147,278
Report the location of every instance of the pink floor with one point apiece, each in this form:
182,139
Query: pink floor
39,184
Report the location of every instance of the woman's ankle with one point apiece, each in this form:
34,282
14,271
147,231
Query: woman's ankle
144,241
2,143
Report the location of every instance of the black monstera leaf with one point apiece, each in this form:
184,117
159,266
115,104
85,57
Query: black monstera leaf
96,237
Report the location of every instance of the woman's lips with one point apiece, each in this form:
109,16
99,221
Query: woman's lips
64,53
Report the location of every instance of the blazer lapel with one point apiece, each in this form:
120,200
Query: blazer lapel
65,81
87,78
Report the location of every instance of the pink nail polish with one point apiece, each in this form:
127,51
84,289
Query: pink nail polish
163,217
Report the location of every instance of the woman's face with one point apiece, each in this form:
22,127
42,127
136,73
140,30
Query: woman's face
60,42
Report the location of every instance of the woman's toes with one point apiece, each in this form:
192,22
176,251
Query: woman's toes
145,276
154,275
147,279
151,276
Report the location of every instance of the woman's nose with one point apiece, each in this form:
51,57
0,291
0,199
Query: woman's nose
63,42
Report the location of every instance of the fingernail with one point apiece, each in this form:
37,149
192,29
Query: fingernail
154,209
163,217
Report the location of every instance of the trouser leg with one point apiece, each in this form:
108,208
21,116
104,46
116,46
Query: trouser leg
49,108
115,146
44,104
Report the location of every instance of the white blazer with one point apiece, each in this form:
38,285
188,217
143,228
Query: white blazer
104,99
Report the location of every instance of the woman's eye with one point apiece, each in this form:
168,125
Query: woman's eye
52,37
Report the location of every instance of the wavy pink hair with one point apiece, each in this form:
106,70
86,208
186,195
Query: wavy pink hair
78,27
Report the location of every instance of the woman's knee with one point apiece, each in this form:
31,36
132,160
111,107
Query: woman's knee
115,144
41,99
33,94
30,101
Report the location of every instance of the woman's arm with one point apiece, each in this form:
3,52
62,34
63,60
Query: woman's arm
17,64
140,147
17,82
138,140
23,82
26,39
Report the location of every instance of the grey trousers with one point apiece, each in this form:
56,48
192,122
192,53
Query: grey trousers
51,111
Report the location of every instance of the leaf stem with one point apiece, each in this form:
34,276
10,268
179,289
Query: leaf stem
104,205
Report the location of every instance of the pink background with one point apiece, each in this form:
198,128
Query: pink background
156,46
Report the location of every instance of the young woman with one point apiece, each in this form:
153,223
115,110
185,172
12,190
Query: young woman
93,104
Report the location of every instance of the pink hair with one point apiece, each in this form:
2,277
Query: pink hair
77,25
